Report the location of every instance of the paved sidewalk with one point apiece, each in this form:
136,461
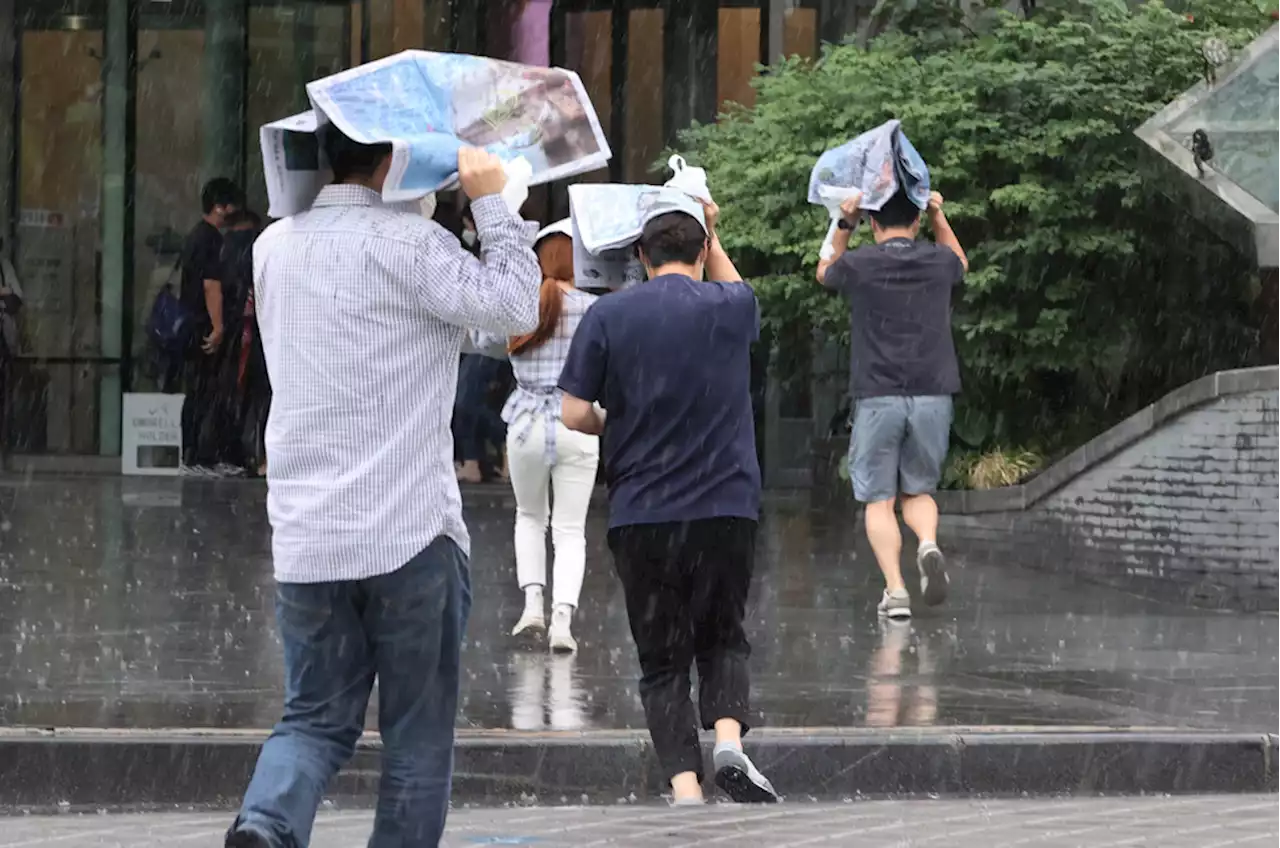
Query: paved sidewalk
1169,822
145,602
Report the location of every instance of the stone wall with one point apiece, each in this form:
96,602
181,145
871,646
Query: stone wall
1179,501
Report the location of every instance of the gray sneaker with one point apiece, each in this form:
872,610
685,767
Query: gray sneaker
740,779
895,604
933,574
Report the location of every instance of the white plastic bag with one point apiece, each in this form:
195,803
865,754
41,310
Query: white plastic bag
519,172
832,197
427,205
692,181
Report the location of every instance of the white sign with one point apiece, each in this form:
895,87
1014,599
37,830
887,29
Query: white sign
41,218
151,434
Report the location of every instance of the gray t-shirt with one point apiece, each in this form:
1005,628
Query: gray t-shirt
900,317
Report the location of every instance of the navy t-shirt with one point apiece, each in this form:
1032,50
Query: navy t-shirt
200,260
900,317
670,360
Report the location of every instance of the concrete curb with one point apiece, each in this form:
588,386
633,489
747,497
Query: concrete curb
94,769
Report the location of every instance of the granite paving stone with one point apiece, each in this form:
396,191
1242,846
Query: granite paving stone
1179,822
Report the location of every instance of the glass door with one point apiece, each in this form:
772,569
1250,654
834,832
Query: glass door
57,255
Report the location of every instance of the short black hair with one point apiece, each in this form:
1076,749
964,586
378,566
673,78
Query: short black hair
349,159
673,237
243,216
898,211
220,191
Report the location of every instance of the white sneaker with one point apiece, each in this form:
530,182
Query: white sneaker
895,604
531,627
562,641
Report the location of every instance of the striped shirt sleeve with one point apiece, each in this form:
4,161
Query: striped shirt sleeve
497,293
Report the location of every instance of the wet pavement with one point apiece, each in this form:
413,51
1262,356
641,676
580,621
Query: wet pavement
147,603
1186,822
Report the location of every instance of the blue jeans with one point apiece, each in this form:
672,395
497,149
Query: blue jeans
405,628
476,423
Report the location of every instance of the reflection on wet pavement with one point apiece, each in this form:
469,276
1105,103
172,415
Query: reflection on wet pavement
897,696
140,603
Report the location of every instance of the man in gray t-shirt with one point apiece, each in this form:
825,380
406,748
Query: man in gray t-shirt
903,374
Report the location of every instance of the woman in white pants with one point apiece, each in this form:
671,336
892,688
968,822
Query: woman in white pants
546,458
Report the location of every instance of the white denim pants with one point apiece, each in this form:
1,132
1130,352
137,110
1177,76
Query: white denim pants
567,485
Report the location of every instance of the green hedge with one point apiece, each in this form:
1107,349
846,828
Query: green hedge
1089,293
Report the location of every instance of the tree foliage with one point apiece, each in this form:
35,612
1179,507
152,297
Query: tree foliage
1089,292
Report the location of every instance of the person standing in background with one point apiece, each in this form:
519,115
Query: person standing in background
477,424
243,388
363,309
204,445
553,468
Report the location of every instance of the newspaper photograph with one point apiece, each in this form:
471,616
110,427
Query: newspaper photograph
875,163
611,216
427,106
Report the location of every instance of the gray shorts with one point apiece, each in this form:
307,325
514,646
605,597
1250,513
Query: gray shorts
899,444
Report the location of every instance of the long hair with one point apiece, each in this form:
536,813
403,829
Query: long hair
555,256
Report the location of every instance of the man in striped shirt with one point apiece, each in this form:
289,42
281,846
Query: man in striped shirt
362,308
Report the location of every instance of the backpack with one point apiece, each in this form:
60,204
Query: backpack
169,325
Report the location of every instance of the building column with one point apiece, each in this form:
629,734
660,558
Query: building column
8,122
689,60
222,93
119,79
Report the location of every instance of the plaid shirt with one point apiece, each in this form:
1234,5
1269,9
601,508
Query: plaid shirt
538,371
361,308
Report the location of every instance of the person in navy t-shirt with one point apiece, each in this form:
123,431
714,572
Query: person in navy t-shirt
669,360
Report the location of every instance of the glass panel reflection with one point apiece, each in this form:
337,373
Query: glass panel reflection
589,51
1241,119
644,94
800,33
737,52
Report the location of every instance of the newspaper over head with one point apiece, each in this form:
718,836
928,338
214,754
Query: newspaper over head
428,106
876,163
608,219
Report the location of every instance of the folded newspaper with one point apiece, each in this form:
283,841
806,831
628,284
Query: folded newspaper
876,163
428,106
607,220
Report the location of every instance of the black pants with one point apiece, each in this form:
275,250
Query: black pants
686,589
209,435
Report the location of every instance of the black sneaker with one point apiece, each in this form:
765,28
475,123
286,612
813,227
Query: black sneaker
247,839
740,779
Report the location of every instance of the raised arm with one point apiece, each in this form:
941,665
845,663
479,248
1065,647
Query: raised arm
942,232
720,267
849,211
497,293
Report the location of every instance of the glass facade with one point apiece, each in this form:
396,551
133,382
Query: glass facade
1234,118
116,112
